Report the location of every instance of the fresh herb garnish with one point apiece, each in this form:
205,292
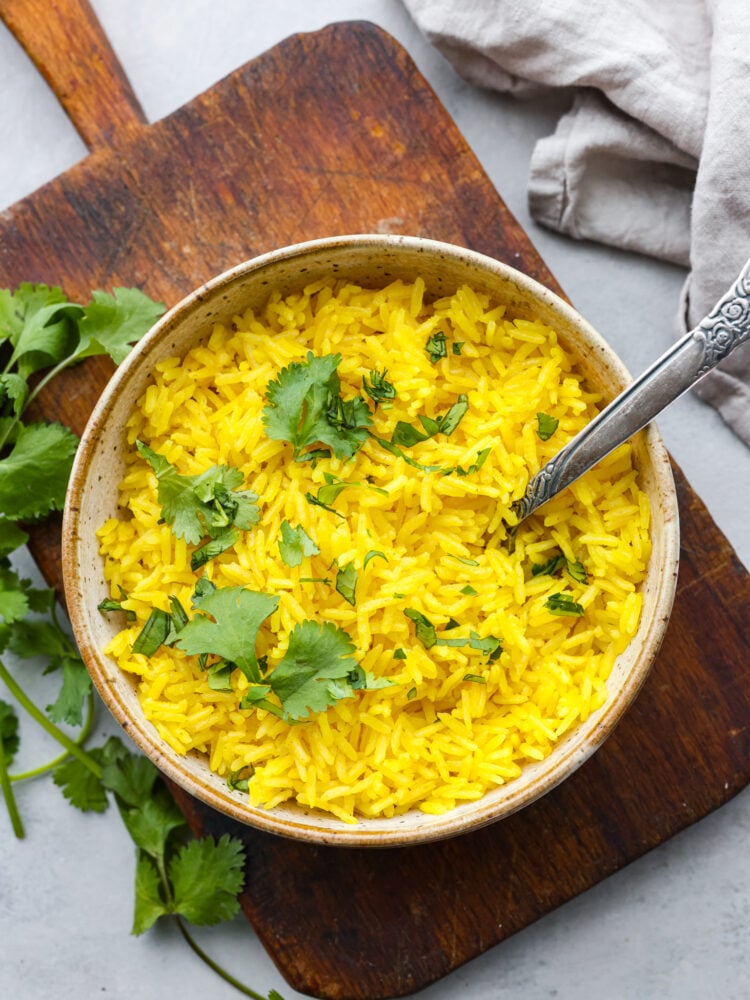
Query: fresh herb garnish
44,334
208,505
295,544
563,604
406,435
546,425
373,554
378,388
111,604
399,654
469,591
555,564
317,670
457,347
436,347
426,631
239,780
305,408
346,582
475,678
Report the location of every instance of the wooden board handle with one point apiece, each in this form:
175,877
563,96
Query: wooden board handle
67,45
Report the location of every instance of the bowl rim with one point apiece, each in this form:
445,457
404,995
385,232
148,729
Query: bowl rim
569,754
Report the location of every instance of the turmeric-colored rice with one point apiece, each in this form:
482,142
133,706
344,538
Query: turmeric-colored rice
434,737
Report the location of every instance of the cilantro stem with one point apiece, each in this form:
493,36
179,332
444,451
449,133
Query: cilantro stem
10,799
226,976
12,424
52,764
57,734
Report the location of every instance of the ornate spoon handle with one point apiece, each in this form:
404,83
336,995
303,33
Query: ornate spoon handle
713,339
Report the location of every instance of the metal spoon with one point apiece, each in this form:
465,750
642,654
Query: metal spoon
693,356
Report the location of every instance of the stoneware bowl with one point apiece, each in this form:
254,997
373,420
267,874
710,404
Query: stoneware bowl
371,261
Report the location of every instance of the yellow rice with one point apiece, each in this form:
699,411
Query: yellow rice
432,739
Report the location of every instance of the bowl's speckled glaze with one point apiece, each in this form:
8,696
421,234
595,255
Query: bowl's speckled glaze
372,261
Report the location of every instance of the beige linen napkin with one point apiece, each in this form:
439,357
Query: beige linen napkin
654,155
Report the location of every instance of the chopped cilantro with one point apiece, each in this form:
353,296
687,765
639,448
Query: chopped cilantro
312,499
373,554
490,645
475,678
305,408
411,694
378,388
295,544
577,571
457,346
549,568
239,780
469,591
154,633
563,604
558,562
546,426
436,347
426,631
406,435
208,504
399,654
346,582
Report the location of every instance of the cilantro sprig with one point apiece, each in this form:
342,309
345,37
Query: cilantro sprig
317,670
206,508
305,407
42,333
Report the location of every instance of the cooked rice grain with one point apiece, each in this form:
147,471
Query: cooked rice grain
433,738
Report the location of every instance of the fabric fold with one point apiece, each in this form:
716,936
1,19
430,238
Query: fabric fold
652,156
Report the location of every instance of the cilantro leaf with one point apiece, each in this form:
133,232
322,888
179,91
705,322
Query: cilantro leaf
378,388
206,877
373,554
475,678
237,616
426,631
206,504
469,591
436,347
549,568
15,389
76,687
577,570
315,670
156,631
34,475
563,604
39,323
406,435
111,324
149,905
9,741
14,602
11,537
490,645
346,582
295,544
305,407
80,786
546,426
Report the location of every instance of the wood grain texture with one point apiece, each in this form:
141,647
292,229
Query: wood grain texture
67,45
332,133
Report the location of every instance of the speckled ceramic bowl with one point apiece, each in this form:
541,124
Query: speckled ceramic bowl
371,261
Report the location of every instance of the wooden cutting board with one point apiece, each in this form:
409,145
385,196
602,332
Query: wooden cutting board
328,133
